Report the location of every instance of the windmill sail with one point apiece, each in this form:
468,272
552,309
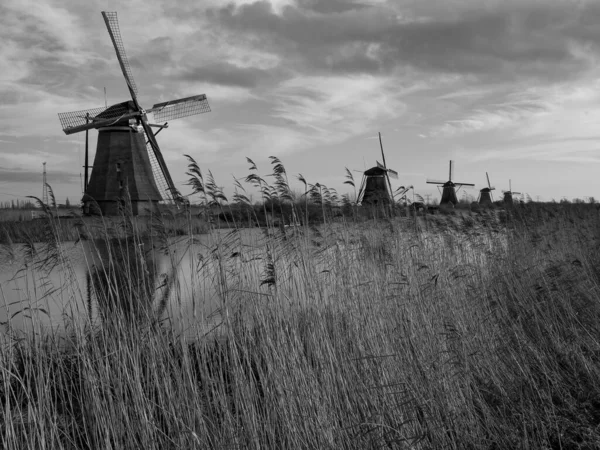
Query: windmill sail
75,121
112,24
393,174
164,187
184,107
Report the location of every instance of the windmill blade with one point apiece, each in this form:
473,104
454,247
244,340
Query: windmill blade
381,166
451,170
488,179
112,24
436,182
516,193
159,178
76,121
464,184
183,107
159,167
393,174
385,165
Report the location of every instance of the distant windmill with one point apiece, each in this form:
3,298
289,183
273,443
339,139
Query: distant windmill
485,195
449,192
128,158
376,188
508,195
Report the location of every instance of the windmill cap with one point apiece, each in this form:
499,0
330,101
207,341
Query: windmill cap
374,171
115,110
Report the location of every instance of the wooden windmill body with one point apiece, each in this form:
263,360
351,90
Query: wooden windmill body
449,188
376,188
508,195
485,194
128,163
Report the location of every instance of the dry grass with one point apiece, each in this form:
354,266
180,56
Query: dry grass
478,332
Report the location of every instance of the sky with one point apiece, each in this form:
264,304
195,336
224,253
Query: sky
508,87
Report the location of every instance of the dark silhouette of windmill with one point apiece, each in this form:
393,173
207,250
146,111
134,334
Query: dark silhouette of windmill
485,194
449,187
128,160
376,188
508,195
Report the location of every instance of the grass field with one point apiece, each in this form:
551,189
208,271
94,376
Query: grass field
467,330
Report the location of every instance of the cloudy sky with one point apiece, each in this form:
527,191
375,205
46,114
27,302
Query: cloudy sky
511,87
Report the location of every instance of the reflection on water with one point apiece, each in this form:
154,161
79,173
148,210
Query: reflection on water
181,281
124,281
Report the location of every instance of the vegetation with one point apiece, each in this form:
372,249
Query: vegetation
465,331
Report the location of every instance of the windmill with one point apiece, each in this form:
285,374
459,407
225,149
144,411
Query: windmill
128,158
449,192
485,194
376,188
508,195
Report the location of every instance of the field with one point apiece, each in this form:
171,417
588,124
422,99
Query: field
471,331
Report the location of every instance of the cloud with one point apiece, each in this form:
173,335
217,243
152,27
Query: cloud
338,106
226,74
14,175
525,40
330,6
499,78
542,124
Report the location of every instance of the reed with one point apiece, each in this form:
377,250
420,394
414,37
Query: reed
460,332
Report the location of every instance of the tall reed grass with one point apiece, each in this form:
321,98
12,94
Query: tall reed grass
477,332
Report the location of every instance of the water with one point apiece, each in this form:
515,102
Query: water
194,283
191,281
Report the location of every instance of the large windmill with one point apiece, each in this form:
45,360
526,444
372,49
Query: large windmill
449,191
376,188
485,194
508,195
128,158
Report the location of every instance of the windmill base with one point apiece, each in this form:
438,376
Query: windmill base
116,208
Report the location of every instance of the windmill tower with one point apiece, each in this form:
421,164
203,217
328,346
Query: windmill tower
44,186
508,195
449,187
128,158
485,194
376,188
